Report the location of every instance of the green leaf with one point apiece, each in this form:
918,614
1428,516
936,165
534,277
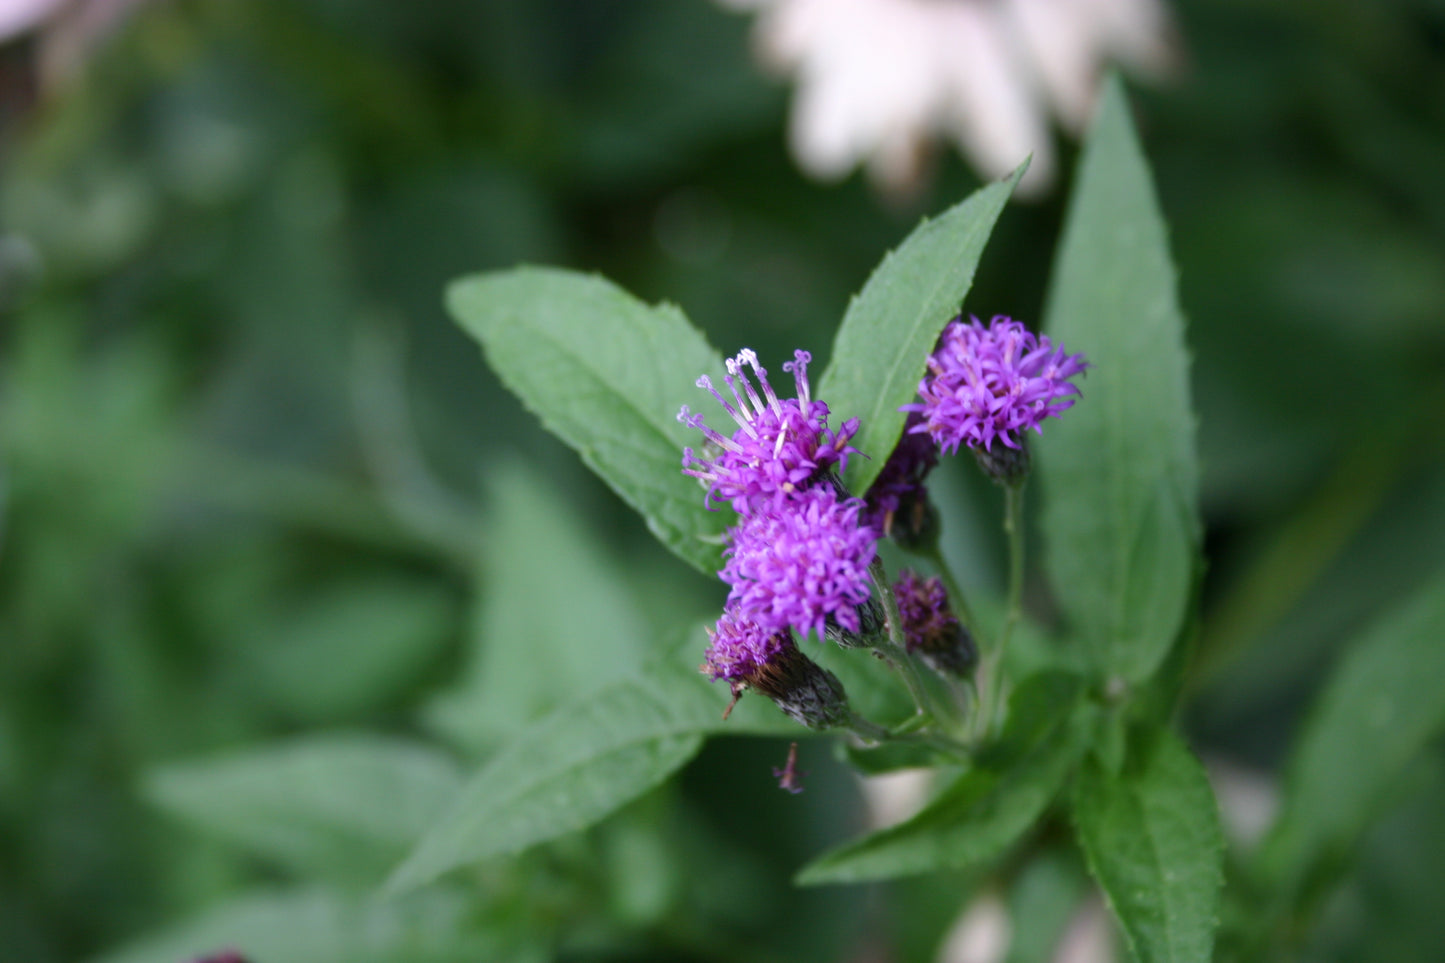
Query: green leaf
1118,469
345,805
1042,900
891,326
1152,840
1384,703
319,926
984,812
607,374
535,648
582,763
346,648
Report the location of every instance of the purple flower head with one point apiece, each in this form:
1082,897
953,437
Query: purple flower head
750,656
987,384
897,501
740,648
779,447
801,562
930,629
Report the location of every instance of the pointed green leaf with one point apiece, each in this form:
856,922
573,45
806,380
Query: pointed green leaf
1118,469
607,374
987,809
582,763
1384,703
1153,842
892,324
345,805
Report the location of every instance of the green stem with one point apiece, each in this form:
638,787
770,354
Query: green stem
871,731
993,676
895,652
867,728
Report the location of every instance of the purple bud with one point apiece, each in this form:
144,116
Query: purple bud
930,629
897,501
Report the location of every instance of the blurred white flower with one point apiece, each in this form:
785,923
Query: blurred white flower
66,30
879,80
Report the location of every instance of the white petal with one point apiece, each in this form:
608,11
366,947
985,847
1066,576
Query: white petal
990,110
18,16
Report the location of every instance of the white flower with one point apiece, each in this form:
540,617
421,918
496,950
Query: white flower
877,80
67,30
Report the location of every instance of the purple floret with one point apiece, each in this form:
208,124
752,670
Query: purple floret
801,562
740,648
988,384
779,447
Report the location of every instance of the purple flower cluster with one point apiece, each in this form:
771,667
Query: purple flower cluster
987,384
802,563
798,558
779,447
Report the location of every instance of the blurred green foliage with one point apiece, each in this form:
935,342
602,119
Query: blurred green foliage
252,480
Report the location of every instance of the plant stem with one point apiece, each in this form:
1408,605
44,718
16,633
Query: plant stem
867,729
1014,529
895,652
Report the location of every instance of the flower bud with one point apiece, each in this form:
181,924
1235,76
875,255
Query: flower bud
750,658
930,629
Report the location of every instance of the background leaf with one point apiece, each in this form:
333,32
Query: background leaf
1118,470
581,763
1153,841
891,325
534,647
607,374
986,809
347,806
1383,705
342,649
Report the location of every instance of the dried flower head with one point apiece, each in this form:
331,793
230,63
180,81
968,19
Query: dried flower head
751,656
801,562
930,629
991,384
779,447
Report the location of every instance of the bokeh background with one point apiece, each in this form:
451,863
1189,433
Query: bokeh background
254,483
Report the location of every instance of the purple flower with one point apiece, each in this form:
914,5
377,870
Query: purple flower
751,656
898,495
779,446
930,629
987,384
801,562
740,648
